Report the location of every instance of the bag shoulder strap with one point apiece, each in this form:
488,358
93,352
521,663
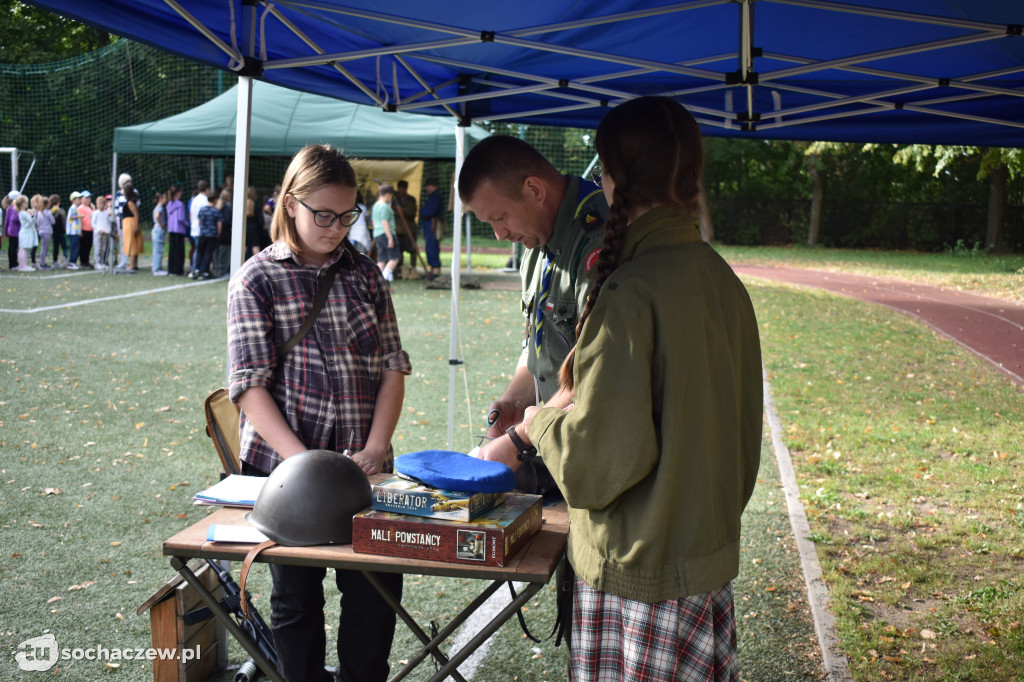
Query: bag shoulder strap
249,558
322,292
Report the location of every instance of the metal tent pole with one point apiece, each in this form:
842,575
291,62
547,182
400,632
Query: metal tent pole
243,123
453,345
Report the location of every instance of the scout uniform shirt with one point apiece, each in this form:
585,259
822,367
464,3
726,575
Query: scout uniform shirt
573,249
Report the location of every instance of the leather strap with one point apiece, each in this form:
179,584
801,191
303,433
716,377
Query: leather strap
323,290
249,558
524,451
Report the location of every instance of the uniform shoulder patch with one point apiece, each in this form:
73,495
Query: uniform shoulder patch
591,260
592,220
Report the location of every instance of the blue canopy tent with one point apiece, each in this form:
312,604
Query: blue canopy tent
927,71
910,71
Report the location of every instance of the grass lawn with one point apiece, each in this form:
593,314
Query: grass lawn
907,450
909,457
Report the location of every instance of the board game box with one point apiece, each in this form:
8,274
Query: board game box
490,540
400,495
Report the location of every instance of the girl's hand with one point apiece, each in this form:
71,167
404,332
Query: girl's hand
369,461
391,242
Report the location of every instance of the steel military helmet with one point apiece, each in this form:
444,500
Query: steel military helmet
310,498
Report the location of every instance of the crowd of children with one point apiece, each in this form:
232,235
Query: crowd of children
84,236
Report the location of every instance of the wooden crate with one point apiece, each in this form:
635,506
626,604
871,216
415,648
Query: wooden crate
166,608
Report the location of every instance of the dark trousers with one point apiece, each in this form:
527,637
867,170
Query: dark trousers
204,254
12,252
432,247
175,253
365,630
85,246
60,242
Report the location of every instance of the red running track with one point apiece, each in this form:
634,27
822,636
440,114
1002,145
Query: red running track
991,328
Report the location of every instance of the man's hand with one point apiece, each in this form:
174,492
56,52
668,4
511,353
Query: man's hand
505,413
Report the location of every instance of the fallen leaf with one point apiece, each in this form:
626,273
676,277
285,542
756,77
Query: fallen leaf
120,617
82,586
51,491
53,599
114,666
115,543
928,634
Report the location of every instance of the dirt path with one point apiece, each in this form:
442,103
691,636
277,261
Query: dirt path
991,328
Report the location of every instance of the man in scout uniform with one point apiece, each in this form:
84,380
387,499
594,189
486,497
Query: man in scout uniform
560,220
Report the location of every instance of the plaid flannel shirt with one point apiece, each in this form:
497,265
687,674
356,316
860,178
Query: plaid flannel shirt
326,387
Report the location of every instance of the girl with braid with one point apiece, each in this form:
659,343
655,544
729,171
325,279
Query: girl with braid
658,450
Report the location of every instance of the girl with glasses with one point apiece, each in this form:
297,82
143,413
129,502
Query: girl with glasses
340,387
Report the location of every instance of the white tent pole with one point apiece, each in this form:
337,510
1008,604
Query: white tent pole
242,129
453,345
113,176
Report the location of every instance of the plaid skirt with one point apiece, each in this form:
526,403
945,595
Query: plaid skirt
691,638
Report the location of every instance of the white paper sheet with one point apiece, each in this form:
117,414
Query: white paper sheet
233,491
219,532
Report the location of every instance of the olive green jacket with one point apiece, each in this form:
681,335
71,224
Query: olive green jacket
658,457
574,246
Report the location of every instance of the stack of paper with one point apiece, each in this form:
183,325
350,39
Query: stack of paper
233,491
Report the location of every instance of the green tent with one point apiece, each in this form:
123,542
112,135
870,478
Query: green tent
284,120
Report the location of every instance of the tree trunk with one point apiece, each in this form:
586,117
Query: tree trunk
707,228
996,208
817,196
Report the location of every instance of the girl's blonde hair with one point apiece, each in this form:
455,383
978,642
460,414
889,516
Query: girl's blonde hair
40,203
21,202
313,167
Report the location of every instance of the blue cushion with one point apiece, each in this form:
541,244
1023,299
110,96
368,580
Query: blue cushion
456,471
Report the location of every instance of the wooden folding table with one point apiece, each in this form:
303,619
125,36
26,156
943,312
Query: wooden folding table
533,565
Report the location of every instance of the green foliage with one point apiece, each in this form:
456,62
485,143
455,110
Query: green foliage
33,35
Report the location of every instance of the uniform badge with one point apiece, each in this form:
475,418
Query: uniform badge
591,259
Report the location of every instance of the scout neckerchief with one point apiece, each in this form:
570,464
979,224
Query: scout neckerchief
587,190
545,289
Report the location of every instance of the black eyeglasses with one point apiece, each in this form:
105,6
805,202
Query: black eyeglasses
327,218
595,174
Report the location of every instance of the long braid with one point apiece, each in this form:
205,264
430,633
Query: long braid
650,148
607,262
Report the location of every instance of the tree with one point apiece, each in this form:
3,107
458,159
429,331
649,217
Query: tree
34,35
996,164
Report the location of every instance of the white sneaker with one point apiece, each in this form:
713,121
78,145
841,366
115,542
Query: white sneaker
27,268
74,266
160,273
389,276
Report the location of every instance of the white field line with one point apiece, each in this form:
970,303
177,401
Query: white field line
118,297
474,624
834,660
